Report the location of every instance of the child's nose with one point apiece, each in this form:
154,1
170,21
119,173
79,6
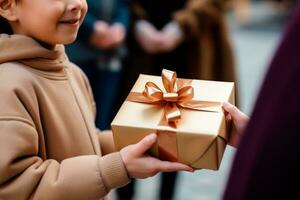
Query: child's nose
74,5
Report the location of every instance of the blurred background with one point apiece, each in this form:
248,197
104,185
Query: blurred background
254,32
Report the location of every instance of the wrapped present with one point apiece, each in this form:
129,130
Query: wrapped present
185,114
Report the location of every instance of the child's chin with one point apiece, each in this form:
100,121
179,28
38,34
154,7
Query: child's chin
69,40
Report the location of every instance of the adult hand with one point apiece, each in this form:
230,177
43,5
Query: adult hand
148,37
106,36
238,121
99,37
171,37
141,165
116,34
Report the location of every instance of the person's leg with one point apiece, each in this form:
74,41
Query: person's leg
168,183
126,192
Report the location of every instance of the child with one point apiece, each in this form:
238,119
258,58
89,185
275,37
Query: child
49,145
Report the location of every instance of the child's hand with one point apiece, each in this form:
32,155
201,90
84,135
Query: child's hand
141,165
239,122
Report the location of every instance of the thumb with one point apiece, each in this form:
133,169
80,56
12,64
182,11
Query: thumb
142,146
234,112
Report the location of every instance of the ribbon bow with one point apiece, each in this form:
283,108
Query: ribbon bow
173,97
178,94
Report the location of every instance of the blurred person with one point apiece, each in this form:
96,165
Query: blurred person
50,147
189,37
265,164
100,50
245,13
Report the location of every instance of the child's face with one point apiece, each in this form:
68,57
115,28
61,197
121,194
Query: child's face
50,21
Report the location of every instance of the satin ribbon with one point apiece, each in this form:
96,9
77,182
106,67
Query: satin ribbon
177,94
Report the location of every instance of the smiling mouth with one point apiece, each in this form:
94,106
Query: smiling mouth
70,22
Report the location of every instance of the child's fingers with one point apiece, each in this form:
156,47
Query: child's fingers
142,146
166,166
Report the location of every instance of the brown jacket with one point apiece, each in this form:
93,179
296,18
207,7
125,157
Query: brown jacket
211,56
49,145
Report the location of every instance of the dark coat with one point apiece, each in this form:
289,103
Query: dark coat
116,12
266,165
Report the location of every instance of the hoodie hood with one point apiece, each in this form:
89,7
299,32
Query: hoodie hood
23,49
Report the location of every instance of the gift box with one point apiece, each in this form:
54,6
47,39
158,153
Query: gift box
185,114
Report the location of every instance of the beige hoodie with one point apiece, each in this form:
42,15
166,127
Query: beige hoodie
49,145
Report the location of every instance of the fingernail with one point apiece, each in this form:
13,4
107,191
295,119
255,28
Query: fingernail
152,136
224,103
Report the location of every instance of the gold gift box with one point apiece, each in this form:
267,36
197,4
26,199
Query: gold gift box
200,136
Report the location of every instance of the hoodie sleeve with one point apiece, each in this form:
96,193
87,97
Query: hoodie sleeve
24,175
